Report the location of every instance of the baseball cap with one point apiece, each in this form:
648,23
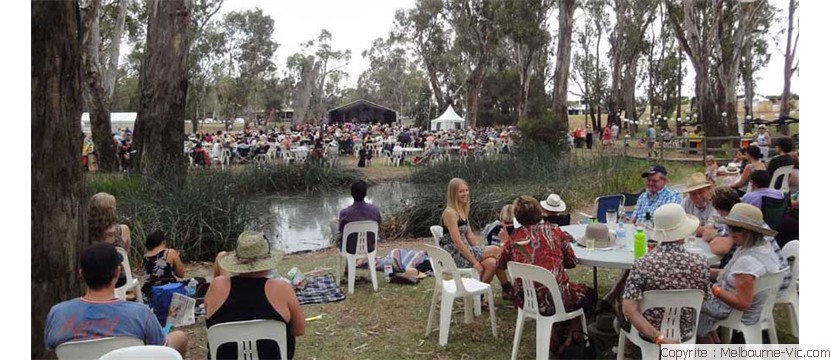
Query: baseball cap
101,258
653,169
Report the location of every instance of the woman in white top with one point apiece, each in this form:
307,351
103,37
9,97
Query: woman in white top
763,140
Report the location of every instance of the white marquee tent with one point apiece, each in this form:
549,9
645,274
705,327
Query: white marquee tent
448,120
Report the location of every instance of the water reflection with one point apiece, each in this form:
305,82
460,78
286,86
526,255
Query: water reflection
301,222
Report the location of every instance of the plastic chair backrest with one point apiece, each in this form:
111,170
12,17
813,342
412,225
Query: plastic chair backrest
608,202
94,348
362,229
143,352
245,334
673,302
773,210
783,173
442,263
790,250
437,233
530,274
768,284
125,264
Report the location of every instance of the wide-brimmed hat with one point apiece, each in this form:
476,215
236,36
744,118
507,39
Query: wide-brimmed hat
696,181
253,253
413,272
599,233
553,203
732,168
671,223
748,217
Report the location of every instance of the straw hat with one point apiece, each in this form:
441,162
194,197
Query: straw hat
599,233
732,169
253,253
696,181
748,217
671,223
554,203
413,272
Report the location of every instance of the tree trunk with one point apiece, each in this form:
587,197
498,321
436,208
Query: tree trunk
473,89
115,48
563,59
98,103
629,87
58,205
749,90
163,91
789,69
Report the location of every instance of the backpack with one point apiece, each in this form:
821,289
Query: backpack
162,295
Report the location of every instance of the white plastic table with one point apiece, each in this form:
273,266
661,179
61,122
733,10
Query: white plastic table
621,255
409,150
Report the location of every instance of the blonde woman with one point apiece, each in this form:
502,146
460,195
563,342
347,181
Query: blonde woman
103,222
466,249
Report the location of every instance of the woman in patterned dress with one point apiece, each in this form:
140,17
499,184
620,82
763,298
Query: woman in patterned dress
542,244
465,248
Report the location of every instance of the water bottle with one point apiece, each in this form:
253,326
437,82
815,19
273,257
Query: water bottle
191,288
639,243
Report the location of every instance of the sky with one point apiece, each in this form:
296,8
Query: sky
355,24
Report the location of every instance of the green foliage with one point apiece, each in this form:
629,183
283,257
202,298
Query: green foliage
207,213
536,172
546,128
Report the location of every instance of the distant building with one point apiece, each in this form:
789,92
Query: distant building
362,111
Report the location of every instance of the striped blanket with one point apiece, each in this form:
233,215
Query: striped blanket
319,290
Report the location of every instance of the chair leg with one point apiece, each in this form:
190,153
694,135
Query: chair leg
752,334
725,335
621,346
372,271
543,330
492,313
468,308
446,316
352,269
517,337
773,334
138,295
435,293
792,313
338,273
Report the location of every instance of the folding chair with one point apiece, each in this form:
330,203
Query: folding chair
608,202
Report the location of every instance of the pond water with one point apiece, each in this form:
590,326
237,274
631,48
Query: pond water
302,222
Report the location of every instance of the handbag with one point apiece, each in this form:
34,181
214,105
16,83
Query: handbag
580,348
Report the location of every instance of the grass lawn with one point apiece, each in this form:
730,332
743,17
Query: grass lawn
390,323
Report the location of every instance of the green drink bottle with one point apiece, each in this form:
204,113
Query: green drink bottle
639,243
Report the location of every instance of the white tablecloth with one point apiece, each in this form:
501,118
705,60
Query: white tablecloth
621,256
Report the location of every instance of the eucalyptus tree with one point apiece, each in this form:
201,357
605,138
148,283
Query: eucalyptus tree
790,64
250,54
392,79
100,63
427,33
563,59
713,34
587,63
755,56
332,63
58,204
524,25
159,128
665,69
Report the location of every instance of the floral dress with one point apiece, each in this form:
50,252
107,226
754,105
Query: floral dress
549,247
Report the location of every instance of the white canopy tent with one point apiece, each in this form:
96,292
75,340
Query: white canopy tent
448,120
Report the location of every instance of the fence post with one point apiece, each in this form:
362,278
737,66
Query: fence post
661,150
705,147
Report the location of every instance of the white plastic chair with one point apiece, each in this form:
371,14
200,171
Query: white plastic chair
95,348
332,155
225,158
300,156
245,334
397,158
784,172
769,284
143,352
530,274
357,148
449,290
437,232
790,294
362,230
132,283
673,302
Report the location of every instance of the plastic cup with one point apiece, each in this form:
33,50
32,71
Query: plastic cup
589,244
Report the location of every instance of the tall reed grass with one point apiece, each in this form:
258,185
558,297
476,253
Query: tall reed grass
206,214
535,171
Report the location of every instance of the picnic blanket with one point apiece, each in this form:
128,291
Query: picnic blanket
320,289
401,259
